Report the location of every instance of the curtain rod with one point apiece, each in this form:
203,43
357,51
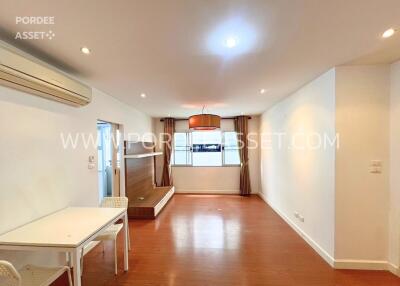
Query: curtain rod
182,119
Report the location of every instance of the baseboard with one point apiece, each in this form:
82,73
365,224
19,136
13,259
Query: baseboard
324,254
394,269
366,265
205,192
338,263
360,264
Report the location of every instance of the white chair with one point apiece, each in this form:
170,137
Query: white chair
111,232
31,275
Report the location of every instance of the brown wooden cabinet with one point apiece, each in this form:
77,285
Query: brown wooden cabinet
146,200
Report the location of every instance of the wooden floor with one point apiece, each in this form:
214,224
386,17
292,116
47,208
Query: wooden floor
219,240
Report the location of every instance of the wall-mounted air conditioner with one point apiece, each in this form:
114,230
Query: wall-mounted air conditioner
21,73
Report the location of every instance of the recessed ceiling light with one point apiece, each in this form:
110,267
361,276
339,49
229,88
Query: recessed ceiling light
262,91
231,42
231,38
388,33
143,95
85,50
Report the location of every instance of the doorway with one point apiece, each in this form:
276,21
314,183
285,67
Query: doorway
109,159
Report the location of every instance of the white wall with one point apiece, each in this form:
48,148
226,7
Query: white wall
38,176
213,179
394,218
345,206
297,179
362,120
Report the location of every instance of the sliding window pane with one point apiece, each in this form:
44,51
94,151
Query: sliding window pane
231,149
180,157
230,140
181,152
231,157
180,140
207,148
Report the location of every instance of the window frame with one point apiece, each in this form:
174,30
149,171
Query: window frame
189,152
223,150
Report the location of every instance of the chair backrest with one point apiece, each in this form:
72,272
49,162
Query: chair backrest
114,202
9,276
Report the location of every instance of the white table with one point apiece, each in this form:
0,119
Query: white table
67,230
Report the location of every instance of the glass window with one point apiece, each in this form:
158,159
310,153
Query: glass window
181,154
231,149
207,148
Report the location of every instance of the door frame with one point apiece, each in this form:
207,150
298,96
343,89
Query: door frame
116,126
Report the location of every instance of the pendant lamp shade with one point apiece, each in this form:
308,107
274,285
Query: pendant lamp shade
204,122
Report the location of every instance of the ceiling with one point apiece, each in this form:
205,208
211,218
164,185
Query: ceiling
173,50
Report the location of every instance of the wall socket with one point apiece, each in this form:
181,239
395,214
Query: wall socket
91,162
375,167
298,216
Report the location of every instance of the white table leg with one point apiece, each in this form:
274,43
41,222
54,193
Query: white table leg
125,219
76,262
68,258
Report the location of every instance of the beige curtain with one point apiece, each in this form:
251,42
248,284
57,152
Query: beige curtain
241,127
169,130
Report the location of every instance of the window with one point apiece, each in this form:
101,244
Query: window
181,154
231,149
205,148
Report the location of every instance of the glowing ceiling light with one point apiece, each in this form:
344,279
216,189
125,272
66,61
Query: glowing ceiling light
388,33
85,50
232,38
231,42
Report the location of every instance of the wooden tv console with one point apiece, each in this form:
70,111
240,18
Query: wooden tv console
145,199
